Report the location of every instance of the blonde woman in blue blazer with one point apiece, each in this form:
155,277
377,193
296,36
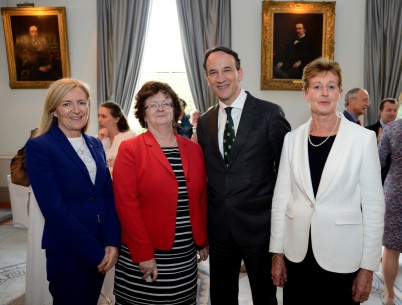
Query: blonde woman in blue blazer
72,184
328,205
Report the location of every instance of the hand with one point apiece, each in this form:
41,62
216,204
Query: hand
379,134
278,270
109,260
297,64
279,65
362,285
149,267
103,133
203,253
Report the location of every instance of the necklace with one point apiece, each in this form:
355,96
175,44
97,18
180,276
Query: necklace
169,146
81,149
326,139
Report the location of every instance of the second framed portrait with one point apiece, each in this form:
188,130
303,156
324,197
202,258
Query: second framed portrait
37,45
294,34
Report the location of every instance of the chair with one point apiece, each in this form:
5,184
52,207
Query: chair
19,198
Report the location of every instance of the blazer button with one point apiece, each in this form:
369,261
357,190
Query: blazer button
93,198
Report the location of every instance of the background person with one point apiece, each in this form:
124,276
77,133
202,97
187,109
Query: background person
113,129
184,127
240,181
72,185
390,145
160,189
357,101
193,121
388,111
328,206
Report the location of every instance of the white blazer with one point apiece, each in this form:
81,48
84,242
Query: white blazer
347,215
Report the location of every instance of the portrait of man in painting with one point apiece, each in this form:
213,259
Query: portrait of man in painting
37,48
297,40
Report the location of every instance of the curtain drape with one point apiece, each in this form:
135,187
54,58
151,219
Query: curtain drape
122,28
383,52
203,24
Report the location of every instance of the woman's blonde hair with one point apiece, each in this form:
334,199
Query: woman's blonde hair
55,94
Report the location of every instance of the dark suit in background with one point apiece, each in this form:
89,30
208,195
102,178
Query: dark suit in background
375,127
240,196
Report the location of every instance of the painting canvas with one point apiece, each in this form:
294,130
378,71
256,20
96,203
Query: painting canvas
37,45
294,34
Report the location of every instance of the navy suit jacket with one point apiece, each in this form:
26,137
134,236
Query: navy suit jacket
349,117
240,195
80,217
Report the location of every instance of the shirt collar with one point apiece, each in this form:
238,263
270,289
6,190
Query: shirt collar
238,102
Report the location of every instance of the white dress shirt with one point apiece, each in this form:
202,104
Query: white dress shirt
237,105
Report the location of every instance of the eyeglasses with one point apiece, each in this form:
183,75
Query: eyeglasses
164,105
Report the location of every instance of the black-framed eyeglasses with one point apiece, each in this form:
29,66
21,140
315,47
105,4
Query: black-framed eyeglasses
164,105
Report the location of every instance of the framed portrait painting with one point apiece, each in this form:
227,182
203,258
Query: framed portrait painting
294,34
37,45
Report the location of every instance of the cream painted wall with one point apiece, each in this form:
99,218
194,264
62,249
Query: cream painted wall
20,109
349,46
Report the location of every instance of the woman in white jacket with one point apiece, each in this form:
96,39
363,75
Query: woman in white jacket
328,206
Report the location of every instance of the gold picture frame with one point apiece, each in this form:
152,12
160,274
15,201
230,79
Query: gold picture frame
283,56
37,45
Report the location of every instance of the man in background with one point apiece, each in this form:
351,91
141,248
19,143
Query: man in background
357,101
388,111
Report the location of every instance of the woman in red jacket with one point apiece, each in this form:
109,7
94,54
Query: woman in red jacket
159,180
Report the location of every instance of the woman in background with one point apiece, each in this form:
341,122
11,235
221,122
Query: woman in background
328,205
160,190
390,145
72,185
114,129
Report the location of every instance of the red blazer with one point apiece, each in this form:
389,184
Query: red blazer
146,193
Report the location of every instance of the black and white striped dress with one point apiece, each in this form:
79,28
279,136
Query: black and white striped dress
177,268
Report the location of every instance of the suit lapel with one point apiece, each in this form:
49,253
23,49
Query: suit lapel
246,121
69,149
213,133
335,157
156,151
304,165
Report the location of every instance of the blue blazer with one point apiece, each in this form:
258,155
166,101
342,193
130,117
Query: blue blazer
80,216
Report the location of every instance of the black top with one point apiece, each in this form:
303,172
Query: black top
317,156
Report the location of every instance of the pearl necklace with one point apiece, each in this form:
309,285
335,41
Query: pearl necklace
326,139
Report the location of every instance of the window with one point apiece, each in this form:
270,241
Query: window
163,56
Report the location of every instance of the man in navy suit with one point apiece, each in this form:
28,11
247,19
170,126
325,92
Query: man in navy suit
357,101
240,188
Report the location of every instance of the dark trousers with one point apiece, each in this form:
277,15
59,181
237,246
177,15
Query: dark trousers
307,282
224,265
71,280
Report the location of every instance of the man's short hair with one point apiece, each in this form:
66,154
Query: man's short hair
388,100
352,93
